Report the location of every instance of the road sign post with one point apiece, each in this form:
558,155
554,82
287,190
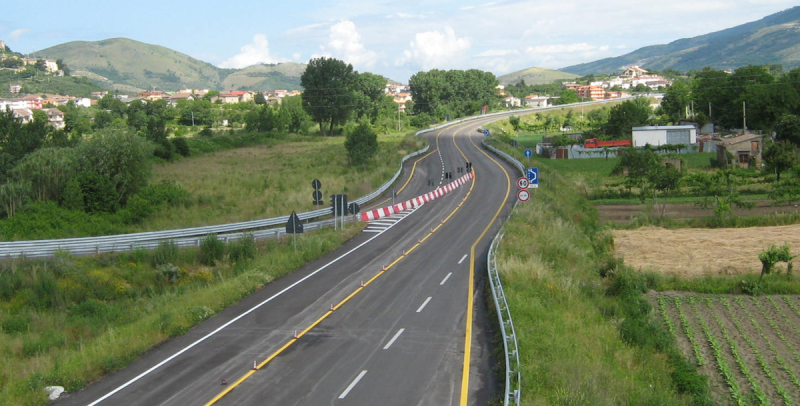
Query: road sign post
522,183
523,195
294,226
533,177
528,154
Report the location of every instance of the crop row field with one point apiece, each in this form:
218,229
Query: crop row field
748,346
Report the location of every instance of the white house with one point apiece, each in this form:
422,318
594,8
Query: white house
512,101
665,134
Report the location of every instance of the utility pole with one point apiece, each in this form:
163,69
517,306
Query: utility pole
709,110
744,116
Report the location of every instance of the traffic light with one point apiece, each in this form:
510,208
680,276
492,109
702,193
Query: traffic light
339,205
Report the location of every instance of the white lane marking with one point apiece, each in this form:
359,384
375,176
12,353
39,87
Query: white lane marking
425,303
445,279
352,385
389,344
235,319
463,258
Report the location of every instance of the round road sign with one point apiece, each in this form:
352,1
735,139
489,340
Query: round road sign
523,195
522,183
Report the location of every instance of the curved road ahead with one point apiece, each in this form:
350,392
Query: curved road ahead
408,325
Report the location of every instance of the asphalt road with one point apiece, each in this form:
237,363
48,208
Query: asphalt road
409,314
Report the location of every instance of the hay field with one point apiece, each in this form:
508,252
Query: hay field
701,252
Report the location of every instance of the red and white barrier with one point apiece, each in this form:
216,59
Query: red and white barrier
417,201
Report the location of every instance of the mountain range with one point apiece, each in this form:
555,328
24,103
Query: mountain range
774,39
132,66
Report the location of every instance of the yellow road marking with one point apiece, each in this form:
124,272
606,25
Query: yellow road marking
359,289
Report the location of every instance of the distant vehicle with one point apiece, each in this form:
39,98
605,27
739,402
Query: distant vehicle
595,143
480,130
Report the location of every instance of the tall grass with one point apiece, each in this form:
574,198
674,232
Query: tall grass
68,321
583,339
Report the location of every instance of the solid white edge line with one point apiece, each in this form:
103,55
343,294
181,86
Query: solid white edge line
425,303
353,384
463,258
445,279
235,319
389,344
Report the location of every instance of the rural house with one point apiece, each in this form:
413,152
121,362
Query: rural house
743,148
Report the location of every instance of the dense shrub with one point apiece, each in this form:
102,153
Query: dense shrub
98,193
243,248
181,146
211,250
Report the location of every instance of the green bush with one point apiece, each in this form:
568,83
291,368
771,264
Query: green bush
166,192
138,209
16,324
243,248
99,195
211,250
181,146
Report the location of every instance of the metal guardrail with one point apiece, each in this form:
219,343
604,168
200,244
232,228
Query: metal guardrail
513,382
182,237
511,351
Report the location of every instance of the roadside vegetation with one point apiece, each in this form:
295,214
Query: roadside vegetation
68,321
585,330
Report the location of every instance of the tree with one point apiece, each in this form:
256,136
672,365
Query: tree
772,256
361,144
297,120
329,92
626,115
260,99
779,156
514,121
787,128
47,170
121,157
676,99
569,96
370,95
638,164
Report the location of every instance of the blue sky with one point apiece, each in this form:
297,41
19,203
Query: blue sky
391,38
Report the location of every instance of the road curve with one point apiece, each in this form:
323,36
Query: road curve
408,319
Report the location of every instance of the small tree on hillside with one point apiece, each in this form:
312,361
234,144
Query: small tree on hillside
361,144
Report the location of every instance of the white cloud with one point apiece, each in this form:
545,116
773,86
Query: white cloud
498,52
252,54
435,49
345,42
14,35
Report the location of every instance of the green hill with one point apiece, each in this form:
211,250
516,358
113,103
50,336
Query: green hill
775,39
535,76
129,66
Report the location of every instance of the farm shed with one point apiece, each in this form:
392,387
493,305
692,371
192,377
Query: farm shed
664,134
742,147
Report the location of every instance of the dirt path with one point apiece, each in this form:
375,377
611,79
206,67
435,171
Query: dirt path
623,213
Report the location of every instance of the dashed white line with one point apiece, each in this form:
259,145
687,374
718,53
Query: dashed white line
425,303
353,384
463,258
445,279
389,344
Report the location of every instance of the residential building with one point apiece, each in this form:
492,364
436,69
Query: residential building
534,100
175,97
512,101
55,118
226,98
153,95
663,135
12,104
634,72
99,95
14,89
591,92
33,102
25,116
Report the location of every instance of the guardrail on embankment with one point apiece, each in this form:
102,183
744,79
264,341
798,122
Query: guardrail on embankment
513,381
182,237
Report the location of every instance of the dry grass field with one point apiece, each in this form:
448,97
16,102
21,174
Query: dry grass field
697,252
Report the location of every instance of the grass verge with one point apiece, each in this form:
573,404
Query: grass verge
585,332
69,321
